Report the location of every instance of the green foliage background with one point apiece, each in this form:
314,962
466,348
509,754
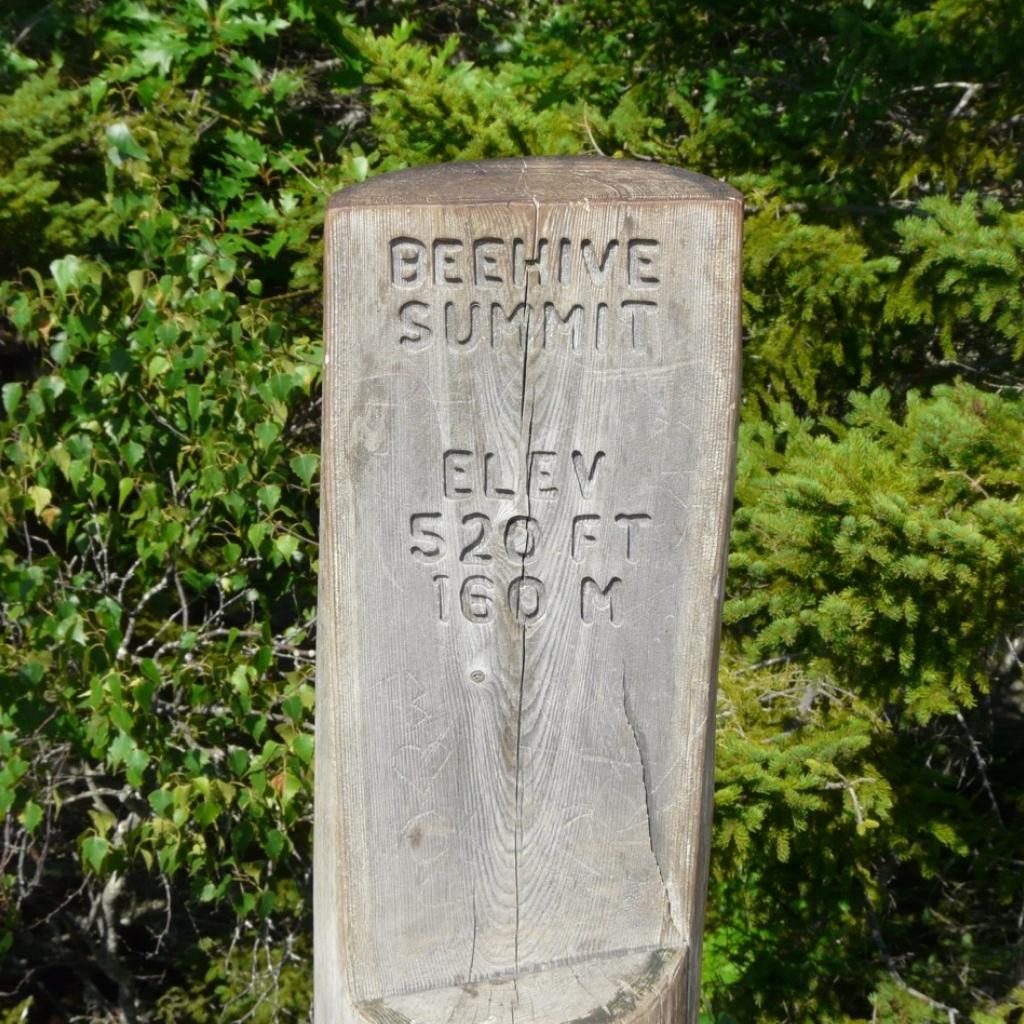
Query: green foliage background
164,168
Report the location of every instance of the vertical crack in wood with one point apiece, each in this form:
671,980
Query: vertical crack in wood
518,831
517,827
646,779
472,947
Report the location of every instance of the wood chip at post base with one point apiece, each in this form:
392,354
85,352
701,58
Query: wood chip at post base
530,401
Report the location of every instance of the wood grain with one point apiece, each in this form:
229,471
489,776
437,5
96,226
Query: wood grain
529,412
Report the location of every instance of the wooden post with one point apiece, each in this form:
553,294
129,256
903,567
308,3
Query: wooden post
529,413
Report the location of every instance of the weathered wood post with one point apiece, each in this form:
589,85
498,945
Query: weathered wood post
529,410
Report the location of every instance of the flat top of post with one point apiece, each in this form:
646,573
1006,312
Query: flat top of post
532,180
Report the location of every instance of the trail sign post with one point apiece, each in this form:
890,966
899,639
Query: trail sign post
529,411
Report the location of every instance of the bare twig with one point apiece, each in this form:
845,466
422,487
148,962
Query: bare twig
767,663
876,934
982,768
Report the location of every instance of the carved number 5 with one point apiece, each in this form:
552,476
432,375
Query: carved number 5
429,544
